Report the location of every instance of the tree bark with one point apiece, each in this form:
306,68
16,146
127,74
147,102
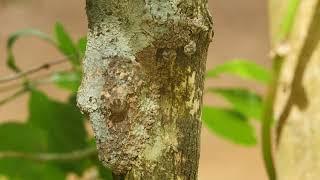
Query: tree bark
298,97
143,84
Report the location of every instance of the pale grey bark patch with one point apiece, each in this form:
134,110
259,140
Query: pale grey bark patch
143,83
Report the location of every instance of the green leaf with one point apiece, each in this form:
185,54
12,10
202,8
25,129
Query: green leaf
63,122
66,45
82,44
22,138
19,169
72,99
242,68
242,100
64,125
105,174
230,125
15,36
288,19
67,80
25,138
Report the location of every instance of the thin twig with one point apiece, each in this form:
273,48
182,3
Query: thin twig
31,71
22,90
59,157
36,81
10,87
267,119
13,96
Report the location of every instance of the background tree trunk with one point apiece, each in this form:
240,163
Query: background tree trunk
298,102
143,84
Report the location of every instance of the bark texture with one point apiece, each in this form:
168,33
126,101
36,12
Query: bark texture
298,99
143,84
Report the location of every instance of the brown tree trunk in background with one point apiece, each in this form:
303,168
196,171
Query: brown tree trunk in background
298,102
143,84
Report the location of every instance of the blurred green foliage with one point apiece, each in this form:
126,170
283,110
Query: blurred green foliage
234,122
52,127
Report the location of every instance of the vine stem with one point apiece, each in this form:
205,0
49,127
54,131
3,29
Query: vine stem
44,157
267,121
268,115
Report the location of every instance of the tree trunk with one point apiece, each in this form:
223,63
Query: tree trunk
143,84
298,99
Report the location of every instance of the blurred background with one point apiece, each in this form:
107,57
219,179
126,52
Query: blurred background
241,31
